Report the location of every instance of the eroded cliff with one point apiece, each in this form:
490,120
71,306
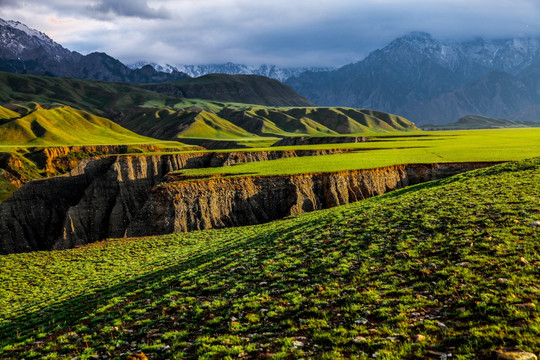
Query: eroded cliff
100,197
223,202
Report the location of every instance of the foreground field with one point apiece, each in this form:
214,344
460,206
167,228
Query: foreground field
448,267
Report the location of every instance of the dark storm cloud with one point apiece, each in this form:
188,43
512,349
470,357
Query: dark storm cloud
131,8
284,32
8,3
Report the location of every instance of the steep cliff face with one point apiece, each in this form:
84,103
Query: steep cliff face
11,165
64,158
217,203
32,218
100,197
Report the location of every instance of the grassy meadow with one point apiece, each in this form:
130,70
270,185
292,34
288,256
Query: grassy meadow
63,126
447,267
400,148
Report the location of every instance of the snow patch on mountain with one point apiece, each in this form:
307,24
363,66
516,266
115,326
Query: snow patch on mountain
271,71
28,31
509,55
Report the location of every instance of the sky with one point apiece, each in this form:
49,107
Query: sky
254,32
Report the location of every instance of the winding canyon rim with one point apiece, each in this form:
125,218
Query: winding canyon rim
115,196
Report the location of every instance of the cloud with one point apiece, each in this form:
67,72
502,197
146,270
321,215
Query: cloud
284,32
8,2
131,8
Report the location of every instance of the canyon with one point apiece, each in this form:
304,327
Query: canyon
114,196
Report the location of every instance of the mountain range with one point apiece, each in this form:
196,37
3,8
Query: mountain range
426,80
28,51
271,71
431,81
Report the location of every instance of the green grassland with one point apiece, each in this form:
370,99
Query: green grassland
228,121
399,148
65,126
450,266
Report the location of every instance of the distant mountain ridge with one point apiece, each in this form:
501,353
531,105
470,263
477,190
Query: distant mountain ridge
247,89
431,81
27,51
271,71
480,122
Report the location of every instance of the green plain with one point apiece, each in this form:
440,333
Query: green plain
399,148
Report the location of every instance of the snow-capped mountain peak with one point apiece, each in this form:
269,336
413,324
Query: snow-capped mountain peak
28,31
272,71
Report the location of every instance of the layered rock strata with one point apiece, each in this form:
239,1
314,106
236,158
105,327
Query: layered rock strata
198,204
100,197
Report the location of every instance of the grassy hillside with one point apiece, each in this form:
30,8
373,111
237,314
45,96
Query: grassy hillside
215,120
65,126
248,89
168,118
7,113
448,267
98,97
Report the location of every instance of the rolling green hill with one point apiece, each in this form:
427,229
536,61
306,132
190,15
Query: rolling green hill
97,97
214,120
447,267
167,118
248,89
6,114
65,126
481,122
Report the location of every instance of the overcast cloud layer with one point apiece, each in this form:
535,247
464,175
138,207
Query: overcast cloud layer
282,32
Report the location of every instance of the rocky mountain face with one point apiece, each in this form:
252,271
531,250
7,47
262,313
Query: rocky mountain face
28,51
430,81
271,71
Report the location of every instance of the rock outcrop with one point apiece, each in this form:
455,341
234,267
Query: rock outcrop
11,166
64,158
100,197
235,201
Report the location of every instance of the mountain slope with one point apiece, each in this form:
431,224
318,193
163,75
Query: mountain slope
498,94
430,81
65,126
25,50
249,89
212,120
167,118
